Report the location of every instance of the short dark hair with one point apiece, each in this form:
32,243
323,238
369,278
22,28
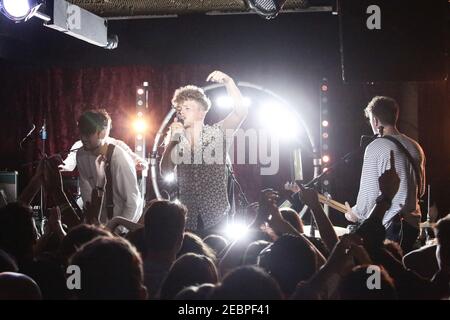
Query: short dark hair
77,237
93,121
164,225
189,269
192,243
290,259
247,283
111,268
386,109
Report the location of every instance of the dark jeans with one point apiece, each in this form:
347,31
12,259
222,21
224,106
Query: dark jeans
402,232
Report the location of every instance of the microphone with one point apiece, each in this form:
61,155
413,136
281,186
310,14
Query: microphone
28,135
43,131
365,140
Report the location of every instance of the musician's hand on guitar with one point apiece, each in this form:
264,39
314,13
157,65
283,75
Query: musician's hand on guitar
350,215
141,165
389,181
100,163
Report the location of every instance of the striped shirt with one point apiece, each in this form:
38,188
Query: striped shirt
376,161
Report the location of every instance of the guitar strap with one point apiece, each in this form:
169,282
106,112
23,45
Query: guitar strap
417,171
109,182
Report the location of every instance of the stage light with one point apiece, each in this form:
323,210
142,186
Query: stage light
279,120
269,9
139,136
325,135
325,123
140,114
324,87
169,178
140,126
140,91
247,101
139,148
224,102
21,10
235,230
325,158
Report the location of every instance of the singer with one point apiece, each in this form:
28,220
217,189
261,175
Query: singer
202,185
403,217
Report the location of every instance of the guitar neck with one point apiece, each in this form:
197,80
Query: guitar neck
332,203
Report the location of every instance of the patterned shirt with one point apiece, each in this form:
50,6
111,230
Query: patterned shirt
202,177
376,161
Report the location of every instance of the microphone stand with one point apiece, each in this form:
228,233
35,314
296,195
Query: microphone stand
43,135
243,201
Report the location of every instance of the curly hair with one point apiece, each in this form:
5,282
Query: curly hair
191,92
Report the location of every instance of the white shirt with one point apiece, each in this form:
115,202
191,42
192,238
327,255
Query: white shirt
127,199
376,161
71,161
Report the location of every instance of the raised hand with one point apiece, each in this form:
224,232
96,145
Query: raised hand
309,196
292,186
176,130
219,77
389,181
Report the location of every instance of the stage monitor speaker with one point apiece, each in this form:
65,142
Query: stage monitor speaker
8,185
393,40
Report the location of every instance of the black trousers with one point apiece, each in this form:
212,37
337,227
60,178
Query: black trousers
402,232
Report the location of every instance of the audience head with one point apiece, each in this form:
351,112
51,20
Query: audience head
189,269
200,292
247,283
443,239
192,243
111,268
216,242
290,259
78,236
253,250
7,263
164,226
17,286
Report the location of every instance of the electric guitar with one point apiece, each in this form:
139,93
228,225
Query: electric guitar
292,186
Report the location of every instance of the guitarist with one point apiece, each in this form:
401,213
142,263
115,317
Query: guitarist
403,217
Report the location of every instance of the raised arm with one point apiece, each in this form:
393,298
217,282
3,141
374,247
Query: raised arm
234,120
327,233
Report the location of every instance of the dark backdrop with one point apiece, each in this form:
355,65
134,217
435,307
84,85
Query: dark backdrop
46,74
